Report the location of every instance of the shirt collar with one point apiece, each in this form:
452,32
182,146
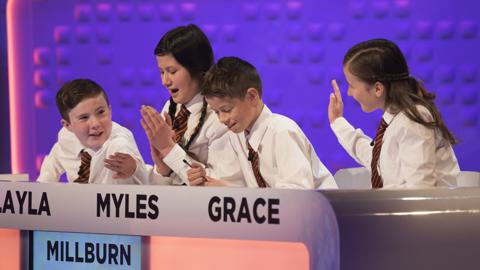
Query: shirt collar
388,117
255,136
195,105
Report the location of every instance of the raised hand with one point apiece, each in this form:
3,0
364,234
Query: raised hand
335,107
124,165
158,129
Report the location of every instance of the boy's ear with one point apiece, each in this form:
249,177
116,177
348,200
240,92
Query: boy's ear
66,124
252,94
379,89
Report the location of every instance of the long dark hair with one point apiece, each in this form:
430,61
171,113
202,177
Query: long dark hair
191,48
381,60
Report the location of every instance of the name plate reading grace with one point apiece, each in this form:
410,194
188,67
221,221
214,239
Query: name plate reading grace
260,210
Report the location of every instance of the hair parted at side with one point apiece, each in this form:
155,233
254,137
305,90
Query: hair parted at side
231,77
381,60
74,92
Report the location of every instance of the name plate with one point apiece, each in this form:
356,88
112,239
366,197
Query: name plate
219,213
60,250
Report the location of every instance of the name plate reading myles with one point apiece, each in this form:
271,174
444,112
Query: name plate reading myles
119,205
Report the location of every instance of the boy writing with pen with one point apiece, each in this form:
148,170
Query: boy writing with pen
271,149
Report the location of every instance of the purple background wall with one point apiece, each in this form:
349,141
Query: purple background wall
5,165
297,46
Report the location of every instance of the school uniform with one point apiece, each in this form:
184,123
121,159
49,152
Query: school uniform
286,157
207,148
412,155
65,157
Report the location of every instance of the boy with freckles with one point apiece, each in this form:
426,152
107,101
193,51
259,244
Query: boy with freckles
271,149
88,137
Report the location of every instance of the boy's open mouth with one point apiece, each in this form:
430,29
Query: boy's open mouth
174,90
98,134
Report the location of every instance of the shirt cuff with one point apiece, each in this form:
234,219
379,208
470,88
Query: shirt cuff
341,127
174,160
156,178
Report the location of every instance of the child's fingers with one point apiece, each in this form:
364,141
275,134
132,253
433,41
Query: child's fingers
195,175
149,115
147,129
336,91
122,156
113,163
151,120
112,168
333,99
197,182
151,109
146,120
197,165
168,119
194,172
212,182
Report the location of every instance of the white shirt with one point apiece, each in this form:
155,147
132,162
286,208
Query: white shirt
412,155
65,158
208,148
287,159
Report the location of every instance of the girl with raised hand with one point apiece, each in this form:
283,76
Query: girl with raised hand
413,146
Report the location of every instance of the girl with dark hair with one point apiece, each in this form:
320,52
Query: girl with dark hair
189,130
412,147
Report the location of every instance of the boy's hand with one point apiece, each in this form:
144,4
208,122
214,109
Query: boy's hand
212,182
159,130
196,175
162,168
122,164
335,107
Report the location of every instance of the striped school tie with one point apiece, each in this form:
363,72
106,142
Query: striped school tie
180,124
84,171
377,181
253,158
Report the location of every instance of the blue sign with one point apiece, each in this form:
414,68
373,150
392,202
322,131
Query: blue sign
60,250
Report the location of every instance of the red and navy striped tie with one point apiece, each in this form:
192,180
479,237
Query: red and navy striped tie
84,171
254,160
180,124
377,181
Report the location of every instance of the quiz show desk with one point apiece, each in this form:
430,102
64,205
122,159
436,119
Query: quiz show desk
74,226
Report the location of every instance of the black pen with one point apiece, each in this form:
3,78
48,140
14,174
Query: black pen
190,165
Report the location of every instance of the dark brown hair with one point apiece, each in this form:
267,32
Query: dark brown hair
380,60
231,77
74,92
